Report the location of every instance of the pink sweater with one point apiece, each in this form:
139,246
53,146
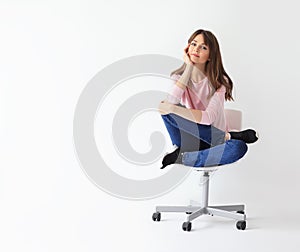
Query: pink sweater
196,97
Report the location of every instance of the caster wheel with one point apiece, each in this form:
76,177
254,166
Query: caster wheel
241,212
187,226
241,225
156,216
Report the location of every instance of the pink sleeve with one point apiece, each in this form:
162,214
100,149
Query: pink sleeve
175,93
216,104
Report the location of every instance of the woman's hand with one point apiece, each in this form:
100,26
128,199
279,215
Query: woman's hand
165,108
186,56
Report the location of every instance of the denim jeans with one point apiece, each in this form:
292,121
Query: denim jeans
203,145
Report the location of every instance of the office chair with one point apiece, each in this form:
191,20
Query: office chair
234,119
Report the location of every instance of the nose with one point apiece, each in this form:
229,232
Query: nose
197,49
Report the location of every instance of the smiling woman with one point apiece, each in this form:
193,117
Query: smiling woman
201,88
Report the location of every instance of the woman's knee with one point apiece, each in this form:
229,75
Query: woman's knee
238,147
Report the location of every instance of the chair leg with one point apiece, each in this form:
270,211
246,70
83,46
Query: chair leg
226,214
178,209
230,207
197,213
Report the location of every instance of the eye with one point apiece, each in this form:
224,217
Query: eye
204,47
193,44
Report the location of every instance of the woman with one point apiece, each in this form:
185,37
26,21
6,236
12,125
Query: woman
194,109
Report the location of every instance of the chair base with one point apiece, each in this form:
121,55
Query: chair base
228,211
196,211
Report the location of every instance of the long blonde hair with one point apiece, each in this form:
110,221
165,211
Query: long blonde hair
214,69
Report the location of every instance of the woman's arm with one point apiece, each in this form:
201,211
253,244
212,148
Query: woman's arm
198,116
185,77
189,66
194,115
177,90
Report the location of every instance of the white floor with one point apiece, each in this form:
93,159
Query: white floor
71,214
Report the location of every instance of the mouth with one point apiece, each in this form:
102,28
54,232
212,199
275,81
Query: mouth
195,55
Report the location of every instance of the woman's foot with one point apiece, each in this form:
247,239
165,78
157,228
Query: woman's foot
172,158
248,136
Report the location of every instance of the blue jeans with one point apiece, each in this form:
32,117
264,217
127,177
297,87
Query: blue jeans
203,145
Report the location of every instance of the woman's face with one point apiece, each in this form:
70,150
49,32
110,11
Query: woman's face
198,50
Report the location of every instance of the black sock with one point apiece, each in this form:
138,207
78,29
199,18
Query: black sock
172,158
248,136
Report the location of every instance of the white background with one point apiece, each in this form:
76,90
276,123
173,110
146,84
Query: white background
49,50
